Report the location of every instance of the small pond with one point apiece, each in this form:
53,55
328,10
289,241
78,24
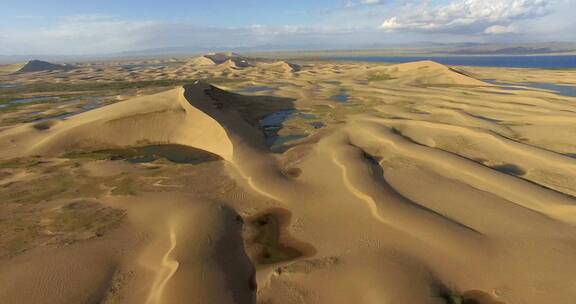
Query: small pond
9,85
342,96
255,89
273,123
29,100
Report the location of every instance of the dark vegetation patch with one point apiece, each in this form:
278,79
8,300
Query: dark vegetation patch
380,76
51,184
73,222
450,296
179,154
43,87
510,169
292,172
23,162
276,246
44,125
84,216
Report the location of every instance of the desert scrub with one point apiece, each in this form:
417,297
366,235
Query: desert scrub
124,186
83,217
173,153
36,190
50,183
379,76
27,228
23,162
42,87
19,233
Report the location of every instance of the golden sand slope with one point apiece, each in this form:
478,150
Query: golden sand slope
415,192
201,61
10,68
424,73
163,118
280,66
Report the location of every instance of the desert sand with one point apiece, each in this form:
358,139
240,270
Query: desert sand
222,179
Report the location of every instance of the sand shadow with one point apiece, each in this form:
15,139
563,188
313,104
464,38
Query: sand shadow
230,255
244,115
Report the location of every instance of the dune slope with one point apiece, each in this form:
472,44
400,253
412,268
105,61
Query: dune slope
424,73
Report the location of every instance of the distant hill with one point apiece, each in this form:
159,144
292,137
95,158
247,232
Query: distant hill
41,66
528,49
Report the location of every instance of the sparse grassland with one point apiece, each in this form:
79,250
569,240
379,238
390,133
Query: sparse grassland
379,76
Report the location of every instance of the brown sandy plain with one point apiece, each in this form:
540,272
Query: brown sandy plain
229,180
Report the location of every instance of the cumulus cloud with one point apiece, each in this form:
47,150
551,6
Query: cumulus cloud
467,16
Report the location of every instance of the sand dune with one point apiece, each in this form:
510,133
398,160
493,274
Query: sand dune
162,118
424,73
10,68
425,185
280,66
201,61
229,60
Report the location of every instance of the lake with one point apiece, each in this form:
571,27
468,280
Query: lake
564,90
255,89
544,62
30,100
273,123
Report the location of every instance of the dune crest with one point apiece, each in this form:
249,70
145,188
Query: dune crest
229,59
280,66
201,61
161,118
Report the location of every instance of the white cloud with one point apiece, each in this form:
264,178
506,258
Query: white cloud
82,33
95,34
467,16
357,3
403,21
500,29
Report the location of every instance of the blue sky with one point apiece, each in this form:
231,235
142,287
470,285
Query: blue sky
104,26
215,13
